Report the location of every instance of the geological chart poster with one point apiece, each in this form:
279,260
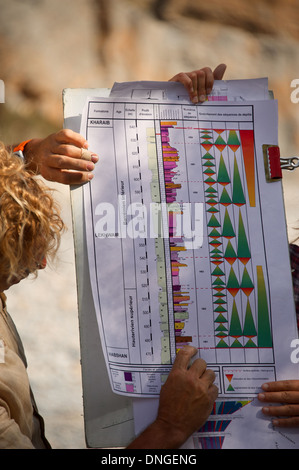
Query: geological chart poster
187,243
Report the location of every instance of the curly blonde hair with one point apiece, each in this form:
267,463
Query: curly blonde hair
30,223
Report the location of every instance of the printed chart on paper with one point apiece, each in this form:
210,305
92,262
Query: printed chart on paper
187,244
178,242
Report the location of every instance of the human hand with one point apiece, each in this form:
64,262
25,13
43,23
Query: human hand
285,392
61,157
187,397
199,83
186,400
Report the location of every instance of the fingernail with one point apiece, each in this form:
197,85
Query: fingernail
85,146
202,98
90,176
194,99
90,166
265,386
94,158
261,396
266,410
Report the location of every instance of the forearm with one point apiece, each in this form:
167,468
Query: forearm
158,436
186,400
62,157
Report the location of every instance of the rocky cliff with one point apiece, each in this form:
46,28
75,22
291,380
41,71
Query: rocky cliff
48,45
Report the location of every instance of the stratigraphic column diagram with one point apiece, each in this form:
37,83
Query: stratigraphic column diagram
180,297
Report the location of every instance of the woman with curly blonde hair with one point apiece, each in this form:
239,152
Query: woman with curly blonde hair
30,229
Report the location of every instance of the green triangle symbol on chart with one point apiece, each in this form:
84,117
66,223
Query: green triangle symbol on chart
230,388
249,329
209,171
220,309
218,282
214,233
220,319
221,335
211,201
222,344
208,156
223,177
232,283
230,254
210,180
219,140
227,229
220,143
243,251
217,272
232,279
210,190
238,197
213,222
208,164
219,301
221,327
213,210
235,329
264,329
236,344
233,141
246,283
225,199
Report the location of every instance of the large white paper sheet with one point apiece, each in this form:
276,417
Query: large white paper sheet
187,244
223,90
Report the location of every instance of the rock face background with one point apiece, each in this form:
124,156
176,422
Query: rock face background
48,45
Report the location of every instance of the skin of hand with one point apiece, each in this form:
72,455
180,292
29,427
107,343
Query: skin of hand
61,157
286,393
199,83
186,401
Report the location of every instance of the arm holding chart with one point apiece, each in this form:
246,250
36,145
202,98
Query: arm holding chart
186,400
285,394
199,83
63,157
